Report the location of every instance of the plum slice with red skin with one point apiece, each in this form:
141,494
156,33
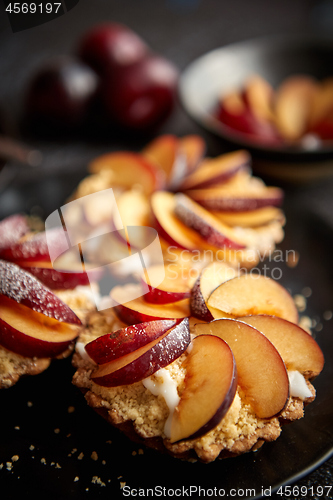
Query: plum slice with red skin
61,280
35,247
145,361
213,231
194,147
121,342
138,310
178,157
252,294
163,152
209,279
25,289
174,287
210,388
240,200
32,334
217,170
129,169
169,226
159,296
261,371
298,348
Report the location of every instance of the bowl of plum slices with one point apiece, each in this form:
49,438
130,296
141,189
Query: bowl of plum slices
272,96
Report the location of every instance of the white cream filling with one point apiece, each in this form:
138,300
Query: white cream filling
80,349
163,385
298,386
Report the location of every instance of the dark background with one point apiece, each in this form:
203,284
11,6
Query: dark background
181,30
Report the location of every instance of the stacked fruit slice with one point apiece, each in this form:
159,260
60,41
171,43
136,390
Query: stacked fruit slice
265,343
263,355
195,202
158,331
33,321
138,351
245,335
30,251
208,205
171,299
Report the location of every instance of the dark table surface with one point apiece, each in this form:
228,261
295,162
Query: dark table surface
181,30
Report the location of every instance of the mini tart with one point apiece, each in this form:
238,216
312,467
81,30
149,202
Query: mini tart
258,229
14,366
141,416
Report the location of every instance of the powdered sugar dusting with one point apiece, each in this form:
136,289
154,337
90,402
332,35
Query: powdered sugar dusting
186,212
171,346
36,247
12,229
17,284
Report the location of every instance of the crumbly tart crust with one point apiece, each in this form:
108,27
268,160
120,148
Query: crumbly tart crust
14,366
140,415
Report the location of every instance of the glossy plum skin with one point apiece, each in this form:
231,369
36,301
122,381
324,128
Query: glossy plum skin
33,321
199,219
157,296
138,87
114,81
20,286
31,252
139,310
217,170
61,94
34,248
143,94
59,280
121,342
198,305
164,352
110,46
28,346
173,288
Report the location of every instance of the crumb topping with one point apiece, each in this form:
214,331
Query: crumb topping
239,430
